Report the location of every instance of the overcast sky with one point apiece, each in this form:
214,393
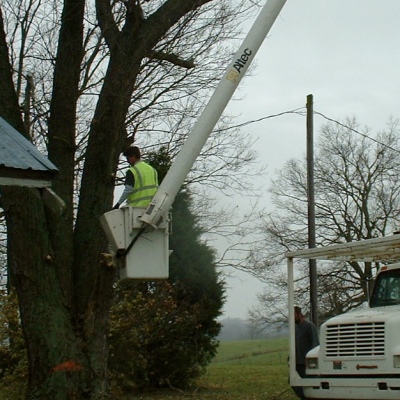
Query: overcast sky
345,53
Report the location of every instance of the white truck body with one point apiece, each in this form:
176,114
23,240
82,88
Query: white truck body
359,353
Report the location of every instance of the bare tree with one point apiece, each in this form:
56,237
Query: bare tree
357,197
172,88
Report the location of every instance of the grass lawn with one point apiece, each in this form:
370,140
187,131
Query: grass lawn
243,370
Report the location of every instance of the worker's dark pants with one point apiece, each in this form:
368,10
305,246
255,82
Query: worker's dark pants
301,370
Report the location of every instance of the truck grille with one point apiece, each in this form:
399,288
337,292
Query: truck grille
354,340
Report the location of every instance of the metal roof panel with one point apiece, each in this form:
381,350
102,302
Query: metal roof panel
17,152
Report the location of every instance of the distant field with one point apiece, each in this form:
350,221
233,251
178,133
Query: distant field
242,370
261,351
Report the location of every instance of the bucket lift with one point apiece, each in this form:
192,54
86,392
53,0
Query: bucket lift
140,236
142,251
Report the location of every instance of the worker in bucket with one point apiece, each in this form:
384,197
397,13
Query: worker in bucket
141,180
306,339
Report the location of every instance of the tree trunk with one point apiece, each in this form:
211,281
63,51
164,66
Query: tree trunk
61,135
46,319
67,353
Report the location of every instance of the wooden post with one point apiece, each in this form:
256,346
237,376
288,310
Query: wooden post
311,210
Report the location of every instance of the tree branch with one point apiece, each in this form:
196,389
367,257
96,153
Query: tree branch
107,23
172,58
167,15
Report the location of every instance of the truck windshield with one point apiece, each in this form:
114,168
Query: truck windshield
387,289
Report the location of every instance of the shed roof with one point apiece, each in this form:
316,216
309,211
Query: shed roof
378,249
21,163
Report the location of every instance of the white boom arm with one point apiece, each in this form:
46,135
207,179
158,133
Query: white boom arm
185,159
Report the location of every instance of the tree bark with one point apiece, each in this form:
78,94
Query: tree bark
46,320
61,135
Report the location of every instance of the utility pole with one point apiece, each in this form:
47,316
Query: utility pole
311,210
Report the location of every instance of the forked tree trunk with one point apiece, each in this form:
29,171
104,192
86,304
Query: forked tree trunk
63,285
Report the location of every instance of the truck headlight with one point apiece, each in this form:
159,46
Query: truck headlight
312,363
396,361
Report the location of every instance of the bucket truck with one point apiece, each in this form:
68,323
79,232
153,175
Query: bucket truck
138,236
359,353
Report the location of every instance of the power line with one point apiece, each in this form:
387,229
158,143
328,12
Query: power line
302,112
295,111
356,131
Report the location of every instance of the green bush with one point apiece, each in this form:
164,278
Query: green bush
13,356
158,337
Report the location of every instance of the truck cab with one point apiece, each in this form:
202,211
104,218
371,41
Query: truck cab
387,287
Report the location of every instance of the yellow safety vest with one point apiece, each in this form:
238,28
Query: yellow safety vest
146,184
